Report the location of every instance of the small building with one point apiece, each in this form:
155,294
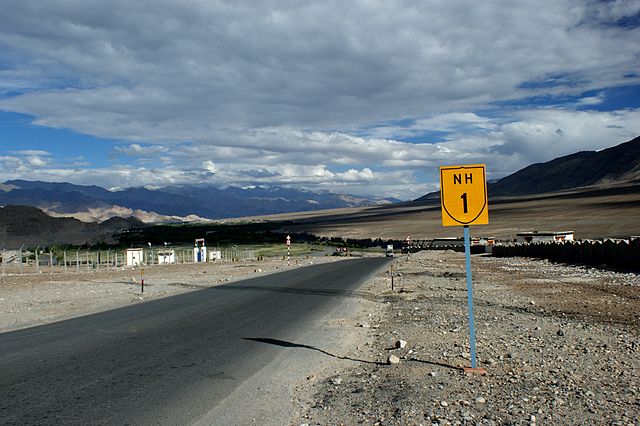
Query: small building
215,255
544,236
485,241
134,256
166,257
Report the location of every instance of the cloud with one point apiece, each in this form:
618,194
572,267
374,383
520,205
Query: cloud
137,150
31,152
373,94
239,65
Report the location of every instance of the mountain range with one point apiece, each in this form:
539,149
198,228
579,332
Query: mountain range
171,203
31,207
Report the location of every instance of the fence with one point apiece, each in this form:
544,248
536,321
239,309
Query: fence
36,261
622,254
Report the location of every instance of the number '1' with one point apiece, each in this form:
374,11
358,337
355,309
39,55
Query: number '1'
464,202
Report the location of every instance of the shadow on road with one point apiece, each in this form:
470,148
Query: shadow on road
285,344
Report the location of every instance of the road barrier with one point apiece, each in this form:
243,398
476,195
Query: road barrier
617,254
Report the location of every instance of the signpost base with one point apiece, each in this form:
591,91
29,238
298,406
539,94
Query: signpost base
477,370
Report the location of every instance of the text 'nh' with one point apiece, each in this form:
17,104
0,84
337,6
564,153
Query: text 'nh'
457,178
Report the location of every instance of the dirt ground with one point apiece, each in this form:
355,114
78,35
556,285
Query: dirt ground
559,345
28,300
610,213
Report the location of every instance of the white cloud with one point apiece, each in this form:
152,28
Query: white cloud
238,93
31,152
137,150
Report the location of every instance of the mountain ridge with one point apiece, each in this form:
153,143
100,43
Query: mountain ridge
176,202
617,164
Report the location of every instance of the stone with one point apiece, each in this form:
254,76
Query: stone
393,360
444,403
401,344
480,400
560,332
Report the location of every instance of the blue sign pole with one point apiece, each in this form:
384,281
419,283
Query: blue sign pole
472,331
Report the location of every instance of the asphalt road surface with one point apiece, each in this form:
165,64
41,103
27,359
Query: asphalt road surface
176,360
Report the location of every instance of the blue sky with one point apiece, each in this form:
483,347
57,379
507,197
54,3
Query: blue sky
360,97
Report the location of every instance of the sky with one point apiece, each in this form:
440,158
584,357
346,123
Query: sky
361,97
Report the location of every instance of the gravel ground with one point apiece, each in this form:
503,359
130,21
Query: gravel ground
559,344
28,300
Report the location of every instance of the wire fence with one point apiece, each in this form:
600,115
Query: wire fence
36,261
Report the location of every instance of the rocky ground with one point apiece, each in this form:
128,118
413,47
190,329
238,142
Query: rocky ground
559,345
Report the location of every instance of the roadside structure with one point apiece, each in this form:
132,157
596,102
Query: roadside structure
544,236
166,257
134,256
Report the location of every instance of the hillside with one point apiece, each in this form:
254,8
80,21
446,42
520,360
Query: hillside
31,226
616,165
612,165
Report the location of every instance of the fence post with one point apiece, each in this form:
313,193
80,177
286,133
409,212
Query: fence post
37,260
65,260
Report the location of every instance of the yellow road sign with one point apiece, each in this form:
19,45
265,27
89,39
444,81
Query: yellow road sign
463,195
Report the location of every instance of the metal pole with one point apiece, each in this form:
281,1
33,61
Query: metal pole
392,277
37,260
472,331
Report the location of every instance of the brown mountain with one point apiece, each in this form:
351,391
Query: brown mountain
29,226
615,165
618,164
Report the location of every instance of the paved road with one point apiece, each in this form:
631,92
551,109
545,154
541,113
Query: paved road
169,361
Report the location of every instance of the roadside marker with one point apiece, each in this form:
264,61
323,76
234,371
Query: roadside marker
464,201
288,250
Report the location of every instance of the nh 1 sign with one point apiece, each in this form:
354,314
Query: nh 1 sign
463,195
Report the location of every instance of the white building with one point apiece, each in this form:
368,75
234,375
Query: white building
134,256
544,236
215,255
166,257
